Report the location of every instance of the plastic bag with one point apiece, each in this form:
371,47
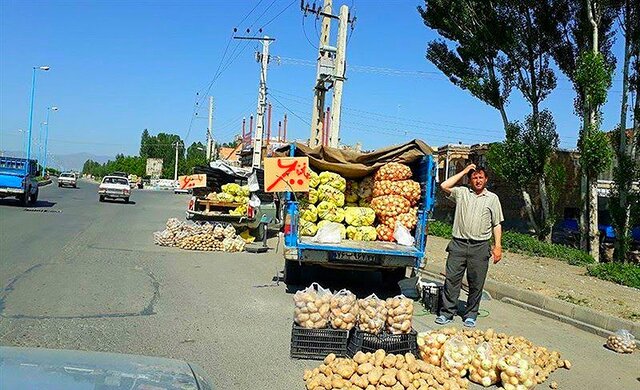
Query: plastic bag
622,341
359,216
431,345
233,244
312,307
329,233
330,194
229,231
456,356
254,201
361,233
517,371
344,310
309,213
252,183
343,229
372,314
403,235
334,180
483,369
399,314
307,228
314,180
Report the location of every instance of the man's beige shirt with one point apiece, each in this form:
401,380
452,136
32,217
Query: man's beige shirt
475,215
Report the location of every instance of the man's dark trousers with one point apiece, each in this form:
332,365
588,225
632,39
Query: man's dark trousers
472,256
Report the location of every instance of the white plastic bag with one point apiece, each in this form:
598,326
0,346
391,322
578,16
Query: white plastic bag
403,235
312,307
622,341
330,233
253,182
254,201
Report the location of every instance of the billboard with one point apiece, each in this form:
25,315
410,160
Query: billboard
154,167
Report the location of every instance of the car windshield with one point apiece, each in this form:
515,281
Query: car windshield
67,175
115,180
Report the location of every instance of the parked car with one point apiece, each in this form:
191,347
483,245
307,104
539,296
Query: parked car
40,368
114,187
67,179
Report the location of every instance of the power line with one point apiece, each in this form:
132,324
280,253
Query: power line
289,110
304,31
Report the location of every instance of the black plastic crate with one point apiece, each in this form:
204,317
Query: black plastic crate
391,343
318,343
432,298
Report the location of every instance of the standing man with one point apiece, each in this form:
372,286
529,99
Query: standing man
478,214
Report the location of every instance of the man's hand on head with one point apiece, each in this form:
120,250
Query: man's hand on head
469,168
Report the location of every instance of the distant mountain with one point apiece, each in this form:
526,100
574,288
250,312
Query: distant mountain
73,161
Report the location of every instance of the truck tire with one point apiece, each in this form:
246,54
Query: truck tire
292,272
101,198
391,277
24,199
126,200
34,198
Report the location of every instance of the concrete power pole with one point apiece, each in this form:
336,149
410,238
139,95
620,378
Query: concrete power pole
263,58
175,171
320,90
338,83
210,141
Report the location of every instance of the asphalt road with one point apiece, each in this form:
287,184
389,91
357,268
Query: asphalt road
86,275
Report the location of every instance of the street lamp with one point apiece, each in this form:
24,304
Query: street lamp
46,138
33,91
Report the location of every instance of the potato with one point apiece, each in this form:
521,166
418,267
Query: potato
365,368
388,380
374,375
360,357
379,356
404,378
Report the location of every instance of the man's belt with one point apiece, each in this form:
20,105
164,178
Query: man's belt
469,241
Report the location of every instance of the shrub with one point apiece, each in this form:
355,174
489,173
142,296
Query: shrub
621,273
440,229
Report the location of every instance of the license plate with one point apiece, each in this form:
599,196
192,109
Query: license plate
114,192
352,257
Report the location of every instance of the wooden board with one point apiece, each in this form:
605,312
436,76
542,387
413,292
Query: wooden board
286,174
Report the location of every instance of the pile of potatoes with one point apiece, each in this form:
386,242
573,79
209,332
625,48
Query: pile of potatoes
344,310
543,361
622,342
200,242
378,370
483,368
313,307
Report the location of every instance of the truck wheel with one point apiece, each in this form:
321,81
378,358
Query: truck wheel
390,278
258,232
101,198
34,198
126,200
292,272
24,199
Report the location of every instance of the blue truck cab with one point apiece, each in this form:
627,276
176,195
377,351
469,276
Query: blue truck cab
390,258
18,179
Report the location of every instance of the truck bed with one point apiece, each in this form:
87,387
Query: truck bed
372,247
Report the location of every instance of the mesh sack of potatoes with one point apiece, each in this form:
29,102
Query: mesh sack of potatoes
233,244
218,231
431,345
483,368
456,356
330,194
408,189
229,231
393,171
351,192
390,205
385,233
314,179
312,307
516,372
359,216
309,213
372,314
163,238
344,310
379,370
399,314
408,219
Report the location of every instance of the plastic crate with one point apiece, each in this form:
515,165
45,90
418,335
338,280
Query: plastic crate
432,298
391,343
316,344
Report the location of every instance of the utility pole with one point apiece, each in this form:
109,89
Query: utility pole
263,58
175,171
210,141
338,83
330,73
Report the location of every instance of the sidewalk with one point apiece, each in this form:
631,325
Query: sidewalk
553,286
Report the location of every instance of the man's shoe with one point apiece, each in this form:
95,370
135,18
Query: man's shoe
442,320
469,322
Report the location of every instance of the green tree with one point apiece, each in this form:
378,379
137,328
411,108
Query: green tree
471,57
145,144
196,155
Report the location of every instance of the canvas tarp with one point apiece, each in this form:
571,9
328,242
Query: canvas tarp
356,165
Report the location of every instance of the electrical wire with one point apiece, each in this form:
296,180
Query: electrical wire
304,31
289,110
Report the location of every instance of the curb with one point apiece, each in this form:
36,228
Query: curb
579,316
44,183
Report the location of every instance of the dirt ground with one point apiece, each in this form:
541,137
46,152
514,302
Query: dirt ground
554,278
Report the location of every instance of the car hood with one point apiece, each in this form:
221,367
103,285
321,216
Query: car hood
38,368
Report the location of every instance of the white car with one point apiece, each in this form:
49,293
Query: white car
114,187
67,179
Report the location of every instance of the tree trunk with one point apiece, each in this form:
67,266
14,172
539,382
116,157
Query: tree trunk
503,112
584,213
620,251
528,206
594,234
547,224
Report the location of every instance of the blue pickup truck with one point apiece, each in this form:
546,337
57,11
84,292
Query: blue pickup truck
390,258
18,179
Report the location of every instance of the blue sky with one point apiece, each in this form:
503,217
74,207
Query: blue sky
118,67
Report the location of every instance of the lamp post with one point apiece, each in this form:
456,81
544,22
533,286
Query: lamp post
33,91
46,139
